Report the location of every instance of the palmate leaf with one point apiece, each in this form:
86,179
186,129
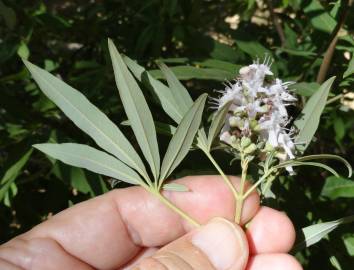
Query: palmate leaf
217,123
179,92
87,117
84,156
161,91
314,233
308,121
165,96
183,138
137,110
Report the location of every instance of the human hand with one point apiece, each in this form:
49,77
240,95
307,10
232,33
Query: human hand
125,228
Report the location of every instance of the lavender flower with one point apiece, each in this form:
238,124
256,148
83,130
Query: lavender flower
258,110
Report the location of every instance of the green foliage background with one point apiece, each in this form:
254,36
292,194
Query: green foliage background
68,38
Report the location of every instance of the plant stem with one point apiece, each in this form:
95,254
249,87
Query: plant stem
277,23
240,200
250,190
152,188
174,207
334,99
226,179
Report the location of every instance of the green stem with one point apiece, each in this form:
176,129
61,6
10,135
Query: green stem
241,199
225,178
250,190
156,192
334,99
175,208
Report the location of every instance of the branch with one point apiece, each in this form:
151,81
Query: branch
277,24
327,58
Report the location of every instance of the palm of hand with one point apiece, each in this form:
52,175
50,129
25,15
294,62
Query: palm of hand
125,227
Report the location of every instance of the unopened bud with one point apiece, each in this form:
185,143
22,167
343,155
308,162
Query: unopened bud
245,141
254,125
268,147
235,122
250,149
264,108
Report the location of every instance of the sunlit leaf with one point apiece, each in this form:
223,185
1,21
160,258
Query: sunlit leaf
314,233
179,92
183,138
308,121
87,117
217,123
161,91
84,156
137,110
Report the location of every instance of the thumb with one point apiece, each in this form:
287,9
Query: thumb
218,245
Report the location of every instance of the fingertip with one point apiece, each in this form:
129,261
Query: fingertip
270,231
214,198
278,261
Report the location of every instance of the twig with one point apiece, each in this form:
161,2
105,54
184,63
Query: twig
277,24
327,58
330,45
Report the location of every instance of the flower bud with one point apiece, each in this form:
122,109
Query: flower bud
245,141
254,125
250,149
235,122
268,147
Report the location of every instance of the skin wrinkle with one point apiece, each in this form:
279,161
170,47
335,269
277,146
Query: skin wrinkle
31,253
17,256
171,257
9,265
130,230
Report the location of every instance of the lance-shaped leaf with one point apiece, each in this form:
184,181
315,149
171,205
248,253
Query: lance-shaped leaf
314,233
87,117
309,119
328,156
175,187
84,156
136,109
217,123
12,173
337,187
295,163
350,69
183,138
161,91
179,92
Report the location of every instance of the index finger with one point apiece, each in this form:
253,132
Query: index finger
107,231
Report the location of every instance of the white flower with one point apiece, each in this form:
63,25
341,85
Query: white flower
259,108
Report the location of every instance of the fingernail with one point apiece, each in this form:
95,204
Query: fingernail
224,243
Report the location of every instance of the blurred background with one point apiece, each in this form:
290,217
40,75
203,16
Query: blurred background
204,42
